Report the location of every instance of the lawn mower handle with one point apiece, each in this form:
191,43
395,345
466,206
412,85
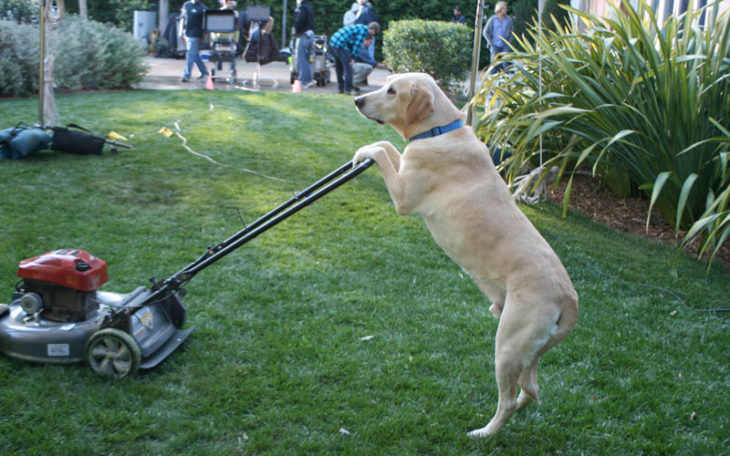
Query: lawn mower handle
300,199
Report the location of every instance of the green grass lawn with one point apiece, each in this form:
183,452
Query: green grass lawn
345,329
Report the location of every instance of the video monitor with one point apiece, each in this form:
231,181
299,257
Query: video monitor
258,13
220,21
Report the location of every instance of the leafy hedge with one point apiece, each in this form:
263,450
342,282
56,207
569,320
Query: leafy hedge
88,55
433,47
22,11
643,105
19,59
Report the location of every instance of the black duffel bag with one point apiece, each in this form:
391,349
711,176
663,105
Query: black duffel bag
82,142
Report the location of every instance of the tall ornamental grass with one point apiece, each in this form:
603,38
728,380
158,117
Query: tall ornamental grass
642,105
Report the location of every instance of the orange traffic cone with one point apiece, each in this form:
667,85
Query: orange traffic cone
209,83
297,86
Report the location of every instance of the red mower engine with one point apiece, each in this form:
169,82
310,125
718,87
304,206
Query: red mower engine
62,283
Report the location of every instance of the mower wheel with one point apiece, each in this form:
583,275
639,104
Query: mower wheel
113,353
4,309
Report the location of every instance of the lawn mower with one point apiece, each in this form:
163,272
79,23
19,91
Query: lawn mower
58,314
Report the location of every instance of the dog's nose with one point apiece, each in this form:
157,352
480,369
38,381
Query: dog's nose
360,102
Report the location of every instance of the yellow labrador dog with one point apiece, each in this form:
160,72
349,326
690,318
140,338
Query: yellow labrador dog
446,175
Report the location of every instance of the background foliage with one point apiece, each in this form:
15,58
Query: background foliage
19,58
91,55
96,56
642,105
22,11
433,47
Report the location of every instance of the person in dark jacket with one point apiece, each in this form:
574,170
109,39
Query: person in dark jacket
193,12
366,16
458,18
304,32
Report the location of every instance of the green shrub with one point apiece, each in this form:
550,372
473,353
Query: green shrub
19,59
641,103
99,56
441,49
88,55
21,11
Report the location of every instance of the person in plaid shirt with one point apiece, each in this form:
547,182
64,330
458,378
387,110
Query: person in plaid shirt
345,45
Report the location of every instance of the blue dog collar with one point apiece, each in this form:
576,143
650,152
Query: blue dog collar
438,130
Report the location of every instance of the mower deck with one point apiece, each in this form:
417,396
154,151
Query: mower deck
151,327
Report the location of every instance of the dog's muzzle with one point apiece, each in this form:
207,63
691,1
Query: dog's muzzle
360,103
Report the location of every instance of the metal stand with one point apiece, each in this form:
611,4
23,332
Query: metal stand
257,79
218,57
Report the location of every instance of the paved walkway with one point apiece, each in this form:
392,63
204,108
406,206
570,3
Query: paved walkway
166,74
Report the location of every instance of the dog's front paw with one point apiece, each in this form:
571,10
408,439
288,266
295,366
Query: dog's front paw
364,153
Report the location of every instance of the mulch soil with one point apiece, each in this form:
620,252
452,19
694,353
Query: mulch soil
594,200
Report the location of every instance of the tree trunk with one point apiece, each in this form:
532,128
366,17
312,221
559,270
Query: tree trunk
83,10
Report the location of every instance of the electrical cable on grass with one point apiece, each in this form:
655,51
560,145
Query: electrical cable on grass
190,150
206,157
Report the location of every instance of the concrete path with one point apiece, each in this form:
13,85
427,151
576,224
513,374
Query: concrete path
166,74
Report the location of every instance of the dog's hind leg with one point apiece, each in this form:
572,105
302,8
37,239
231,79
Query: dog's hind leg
519,346
528,385
508,372
528,378
512,355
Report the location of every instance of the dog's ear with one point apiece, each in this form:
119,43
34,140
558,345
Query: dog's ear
420,105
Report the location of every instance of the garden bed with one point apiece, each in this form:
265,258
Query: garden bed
595,200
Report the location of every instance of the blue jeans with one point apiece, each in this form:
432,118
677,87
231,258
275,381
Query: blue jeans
343,69
193,57
493,52
305,44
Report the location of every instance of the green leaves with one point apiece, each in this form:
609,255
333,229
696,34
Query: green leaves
643,106
91,55
433,47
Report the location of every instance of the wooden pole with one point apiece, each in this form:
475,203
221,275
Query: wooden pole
42,54
475,59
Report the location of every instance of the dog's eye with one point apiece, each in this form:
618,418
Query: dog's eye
391,90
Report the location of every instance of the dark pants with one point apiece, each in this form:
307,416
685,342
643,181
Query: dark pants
343,69
494,51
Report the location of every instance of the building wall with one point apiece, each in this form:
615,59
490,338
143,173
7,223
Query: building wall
664,7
